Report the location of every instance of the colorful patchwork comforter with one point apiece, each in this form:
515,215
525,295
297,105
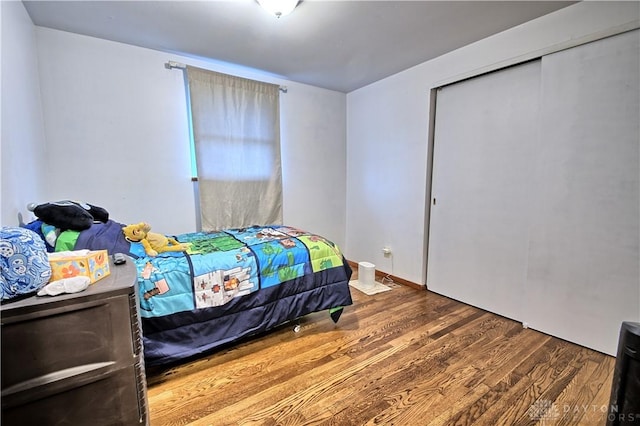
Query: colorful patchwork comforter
221,266
229,284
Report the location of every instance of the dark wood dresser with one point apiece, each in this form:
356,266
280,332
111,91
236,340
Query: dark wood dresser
75,359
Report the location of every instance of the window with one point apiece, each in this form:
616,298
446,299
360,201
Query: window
235,124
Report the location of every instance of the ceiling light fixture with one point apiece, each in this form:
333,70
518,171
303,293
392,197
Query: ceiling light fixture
278,8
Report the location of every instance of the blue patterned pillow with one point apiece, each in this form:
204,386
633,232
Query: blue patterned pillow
24,266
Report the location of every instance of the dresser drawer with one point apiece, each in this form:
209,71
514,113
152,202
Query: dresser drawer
109,400
47,345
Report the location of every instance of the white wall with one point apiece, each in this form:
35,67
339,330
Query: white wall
22,150
117,134
314,164
388,126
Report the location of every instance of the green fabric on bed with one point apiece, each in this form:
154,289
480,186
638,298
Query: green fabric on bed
335,313
66,241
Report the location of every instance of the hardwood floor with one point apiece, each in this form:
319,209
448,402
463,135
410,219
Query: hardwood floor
402,357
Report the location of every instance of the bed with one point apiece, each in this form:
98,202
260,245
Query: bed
227,285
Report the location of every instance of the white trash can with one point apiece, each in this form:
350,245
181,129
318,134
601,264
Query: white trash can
367,274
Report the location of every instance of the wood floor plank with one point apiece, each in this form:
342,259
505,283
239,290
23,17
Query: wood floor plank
434,362
303,390
604,386
403,357
574,402
421,357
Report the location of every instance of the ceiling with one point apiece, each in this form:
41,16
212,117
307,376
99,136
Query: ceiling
339,45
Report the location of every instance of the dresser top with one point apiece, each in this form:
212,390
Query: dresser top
121,280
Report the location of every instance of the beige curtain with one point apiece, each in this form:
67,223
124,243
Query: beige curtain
236,131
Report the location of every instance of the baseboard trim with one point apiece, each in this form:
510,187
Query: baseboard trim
381,274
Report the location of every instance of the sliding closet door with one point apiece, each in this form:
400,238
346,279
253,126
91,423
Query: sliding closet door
485,134
583,275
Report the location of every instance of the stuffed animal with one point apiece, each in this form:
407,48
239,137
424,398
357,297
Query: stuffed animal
68,214
152,242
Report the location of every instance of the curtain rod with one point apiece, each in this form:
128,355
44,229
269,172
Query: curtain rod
177,65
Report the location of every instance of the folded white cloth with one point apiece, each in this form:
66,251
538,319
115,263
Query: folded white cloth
62,254
65,285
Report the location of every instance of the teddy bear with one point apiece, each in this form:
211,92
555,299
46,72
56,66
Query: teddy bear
152,242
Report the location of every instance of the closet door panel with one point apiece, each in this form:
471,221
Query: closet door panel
583,271
484,139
